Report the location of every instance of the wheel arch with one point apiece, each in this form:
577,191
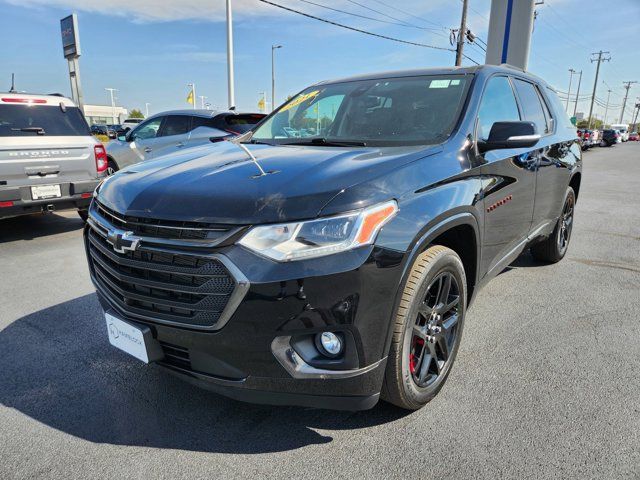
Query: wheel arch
575,183
461,233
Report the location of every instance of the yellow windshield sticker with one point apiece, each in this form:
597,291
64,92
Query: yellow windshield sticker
300,99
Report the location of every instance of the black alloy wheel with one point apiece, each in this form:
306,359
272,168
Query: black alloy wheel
428,328
435,330
565,224
554,248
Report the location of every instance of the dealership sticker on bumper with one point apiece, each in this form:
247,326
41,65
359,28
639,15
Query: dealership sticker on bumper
126,337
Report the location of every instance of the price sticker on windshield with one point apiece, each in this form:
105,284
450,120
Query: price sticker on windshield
439,84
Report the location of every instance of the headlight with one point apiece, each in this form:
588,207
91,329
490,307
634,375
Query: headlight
315,238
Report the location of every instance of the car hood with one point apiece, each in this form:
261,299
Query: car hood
220,183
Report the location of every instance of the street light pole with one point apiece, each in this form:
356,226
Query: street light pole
230,71
273,76
146,109
202,99
571,72
113,104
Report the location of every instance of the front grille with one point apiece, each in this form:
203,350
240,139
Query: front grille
176,287
167,229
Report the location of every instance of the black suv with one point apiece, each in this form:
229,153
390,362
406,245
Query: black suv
328,256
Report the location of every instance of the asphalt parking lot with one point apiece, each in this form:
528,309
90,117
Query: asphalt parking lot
546,383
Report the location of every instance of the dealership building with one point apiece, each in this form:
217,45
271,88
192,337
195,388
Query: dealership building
104,114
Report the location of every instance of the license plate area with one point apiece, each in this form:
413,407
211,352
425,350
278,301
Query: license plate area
40,192
136,340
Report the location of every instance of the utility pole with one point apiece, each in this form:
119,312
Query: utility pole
600,59
635,120
606,109
571,72
113,104
627,85
462,33
273,76
230,72
146,109
575,108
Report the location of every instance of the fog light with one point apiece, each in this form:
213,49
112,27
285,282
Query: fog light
329,344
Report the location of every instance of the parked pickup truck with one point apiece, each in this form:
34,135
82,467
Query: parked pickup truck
328,256
48,158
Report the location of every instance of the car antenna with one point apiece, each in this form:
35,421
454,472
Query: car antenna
13,84
252,157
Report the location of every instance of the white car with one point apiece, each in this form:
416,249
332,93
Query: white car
624,131
131,123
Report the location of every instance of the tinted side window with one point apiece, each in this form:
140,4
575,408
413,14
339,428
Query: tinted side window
147,130
242,123
498,105
203,122
531,106
560,113
176,125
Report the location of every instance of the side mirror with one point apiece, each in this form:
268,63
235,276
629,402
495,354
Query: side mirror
510,135
122,138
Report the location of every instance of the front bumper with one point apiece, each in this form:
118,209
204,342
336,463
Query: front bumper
258,354
75,195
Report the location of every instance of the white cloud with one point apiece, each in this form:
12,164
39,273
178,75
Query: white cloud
157,10
215,10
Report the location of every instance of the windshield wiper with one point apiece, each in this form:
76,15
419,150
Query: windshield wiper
258,142
325,142
38,130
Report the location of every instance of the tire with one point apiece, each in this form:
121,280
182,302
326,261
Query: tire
554,248
112,167
83,214
414,373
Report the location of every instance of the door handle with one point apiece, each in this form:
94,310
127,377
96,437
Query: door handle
148,149
180,145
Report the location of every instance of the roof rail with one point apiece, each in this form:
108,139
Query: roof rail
507,65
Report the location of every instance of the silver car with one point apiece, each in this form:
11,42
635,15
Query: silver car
169,132
48,158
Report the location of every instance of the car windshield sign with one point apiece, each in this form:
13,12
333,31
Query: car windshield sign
385,112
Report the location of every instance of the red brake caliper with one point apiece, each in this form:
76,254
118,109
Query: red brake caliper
412,358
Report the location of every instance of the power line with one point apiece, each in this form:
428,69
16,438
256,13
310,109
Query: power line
407,42
366,17
395,8
382,13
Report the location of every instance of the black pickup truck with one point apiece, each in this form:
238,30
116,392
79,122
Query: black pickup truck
328,256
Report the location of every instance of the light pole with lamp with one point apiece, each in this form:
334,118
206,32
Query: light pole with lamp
273,76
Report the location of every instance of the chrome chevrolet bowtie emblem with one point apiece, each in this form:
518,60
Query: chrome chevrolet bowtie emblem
122,241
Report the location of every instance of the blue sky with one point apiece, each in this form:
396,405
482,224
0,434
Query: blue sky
151,49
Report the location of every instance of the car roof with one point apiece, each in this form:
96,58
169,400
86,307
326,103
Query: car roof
35,98
470,70
198,112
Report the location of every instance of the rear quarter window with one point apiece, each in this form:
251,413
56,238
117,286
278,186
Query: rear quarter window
27,120
559,114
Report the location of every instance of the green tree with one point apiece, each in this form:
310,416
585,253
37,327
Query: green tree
135,113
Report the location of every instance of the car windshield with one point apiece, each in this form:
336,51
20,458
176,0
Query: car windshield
30,120
385,112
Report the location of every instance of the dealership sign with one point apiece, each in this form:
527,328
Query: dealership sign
70,37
